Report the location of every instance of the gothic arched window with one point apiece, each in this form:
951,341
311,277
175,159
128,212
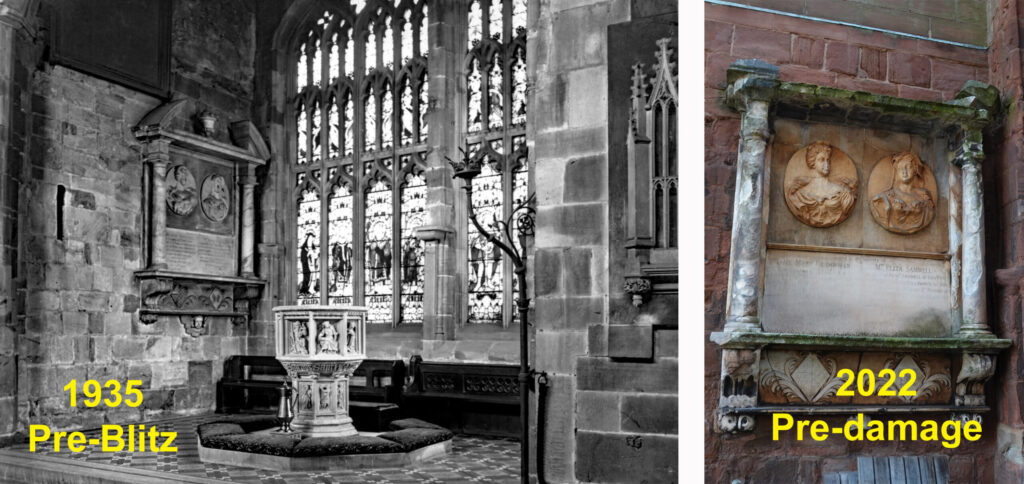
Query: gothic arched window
359,98
495,76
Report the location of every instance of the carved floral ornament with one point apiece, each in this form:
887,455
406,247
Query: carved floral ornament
821,189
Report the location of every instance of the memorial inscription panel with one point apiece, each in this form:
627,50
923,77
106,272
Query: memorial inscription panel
200,253
835,293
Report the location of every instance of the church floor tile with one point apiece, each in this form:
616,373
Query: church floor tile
473,459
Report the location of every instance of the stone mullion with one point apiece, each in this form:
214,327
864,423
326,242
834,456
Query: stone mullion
324,186
358,196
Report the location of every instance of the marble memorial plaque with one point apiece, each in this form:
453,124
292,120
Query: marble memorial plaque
835,293
200,253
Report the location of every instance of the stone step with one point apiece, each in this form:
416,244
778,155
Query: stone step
35,468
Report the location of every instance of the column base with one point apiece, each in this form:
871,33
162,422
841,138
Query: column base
743,324
975,332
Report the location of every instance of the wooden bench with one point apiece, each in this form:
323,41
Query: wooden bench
470,398
250,385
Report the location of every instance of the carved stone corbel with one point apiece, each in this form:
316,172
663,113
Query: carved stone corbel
975,370
738,389
637,287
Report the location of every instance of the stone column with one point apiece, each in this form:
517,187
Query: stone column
972,265
248,182
444,199
157,155
751,86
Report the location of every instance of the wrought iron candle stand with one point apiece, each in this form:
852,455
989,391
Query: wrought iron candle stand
523,213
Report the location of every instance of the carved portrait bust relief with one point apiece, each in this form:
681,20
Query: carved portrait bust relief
181,190
215,198
902,193
820,185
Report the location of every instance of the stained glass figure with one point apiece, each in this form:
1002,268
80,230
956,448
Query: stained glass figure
315,133
475,88
407,113
387,46
495,98
333,124
518,16
342,254
350,67
495,17
519,88
371,52
301,70
370,123
387,107
317,63
414,197
407,40
308,260
378,253
424,127
334,60
424,49
301,141
476,24
485,262
348,120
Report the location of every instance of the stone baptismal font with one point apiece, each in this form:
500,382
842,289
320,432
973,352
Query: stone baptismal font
320,347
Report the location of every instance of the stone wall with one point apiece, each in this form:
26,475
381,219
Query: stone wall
829,55
80,232
1005,199
962,21
607,421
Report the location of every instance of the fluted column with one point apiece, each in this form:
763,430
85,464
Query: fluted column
157,155
752,84
248,183
972,266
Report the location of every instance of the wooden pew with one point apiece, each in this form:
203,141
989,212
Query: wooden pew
470,398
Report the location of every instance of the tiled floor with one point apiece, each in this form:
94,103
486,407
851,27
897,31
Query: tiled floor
473,459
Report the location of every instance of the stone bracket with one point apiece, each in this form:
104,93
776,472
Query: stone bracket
193,298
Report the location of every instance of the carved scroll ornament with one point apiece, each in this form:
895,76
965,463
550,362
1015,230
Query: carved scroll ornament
903,192
821,185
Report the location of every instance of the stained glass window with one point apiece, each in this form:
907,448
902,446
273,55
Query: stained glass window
349,117
308,237
414,198
379,253
495,79
486,280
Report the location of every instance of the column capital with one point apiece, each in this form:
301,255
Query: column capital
971,152
750,80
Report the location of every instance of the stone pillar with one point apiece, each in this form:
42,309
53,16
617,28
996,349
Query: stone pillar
248,182
158,156
444,200
972,266
751,86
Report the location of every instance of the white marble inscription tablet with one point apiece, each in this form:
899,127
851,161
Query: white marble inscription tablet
827,293
200,253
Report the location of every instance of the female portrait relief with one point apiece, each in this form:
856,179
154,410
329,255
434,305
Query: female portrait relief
903,193
820,185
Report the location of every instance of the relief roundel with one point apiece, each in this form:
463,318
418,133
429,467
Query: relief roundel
215,198
820,185
181,190
902,193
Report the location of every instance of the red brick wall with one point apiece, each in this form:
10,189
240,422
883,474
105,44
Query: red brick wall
959,21
830,55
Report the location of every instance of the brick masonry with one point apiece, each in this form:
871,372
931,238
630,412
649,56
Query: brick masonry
832,55
79,231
